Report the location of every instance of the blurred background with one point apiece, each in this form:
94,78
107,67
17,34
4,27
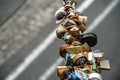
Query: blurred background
26,24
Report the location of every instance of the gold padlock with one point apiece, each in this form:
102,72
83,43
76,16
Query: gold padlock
75,32
78,56
86,48
63,50
82,27
82,19
75,49
61,70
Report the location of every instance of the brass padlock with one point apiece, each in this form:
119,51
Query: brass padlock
61,70
75,32
63,50
75,49
60,32
86,48
82,19
80,59
82,27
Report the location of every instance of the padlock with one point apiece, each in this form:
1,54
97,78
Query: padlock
95,76
68,39
61,32
80,59
61,71
105,65
63,50
82,19
75,49
86,48
82,27
98,55
75,32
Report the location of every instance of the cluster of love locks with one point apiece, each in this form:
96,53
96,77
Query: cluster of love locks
81,62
